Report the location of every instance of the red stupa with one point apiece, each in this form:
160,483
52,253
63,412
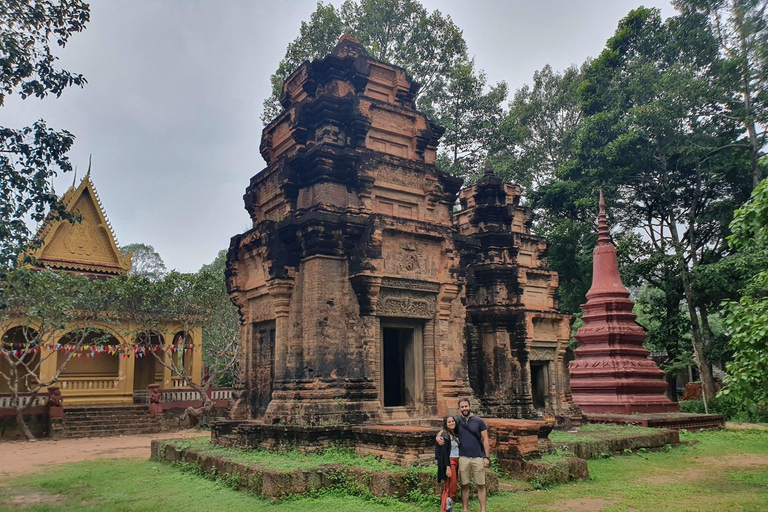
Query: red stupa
612,372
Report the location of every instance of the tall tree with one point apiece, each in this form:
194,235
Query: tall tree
145,261
539,132
471,113
31,156
740,28
747,318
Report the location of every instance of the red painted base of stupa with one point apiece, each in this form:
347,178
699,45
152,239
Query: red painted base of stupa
625,405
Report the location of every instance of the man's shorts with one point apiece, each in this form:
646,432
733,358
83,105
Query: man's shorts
471,467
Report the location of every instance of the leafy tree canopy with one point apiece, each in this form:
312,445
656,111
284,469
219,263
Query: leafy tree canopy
31,156
747,318
145,262
538,135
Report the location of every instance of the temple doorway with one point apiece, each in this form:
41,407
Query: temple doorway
539,383
402,375
263,364
146,369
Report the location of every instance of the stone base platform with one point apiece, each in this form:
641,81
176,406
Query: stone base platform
669,420
404,444
276,484
595,444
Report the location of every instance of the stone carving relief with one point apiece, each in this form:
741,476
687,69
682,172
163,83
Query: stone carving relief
409,260
541,354
404,304
410,284
79,241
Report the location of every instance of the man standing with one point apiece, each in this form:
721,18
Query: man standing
473,452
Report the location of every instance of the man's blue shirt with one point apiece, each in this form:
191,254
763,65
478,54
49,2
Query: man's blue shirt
469,443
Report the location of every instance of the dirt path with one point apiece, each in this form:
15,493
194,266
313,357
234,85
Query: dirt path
22,457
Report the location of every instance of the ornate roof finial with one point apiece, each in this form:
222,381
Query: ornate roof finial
349,46
603,232
90,158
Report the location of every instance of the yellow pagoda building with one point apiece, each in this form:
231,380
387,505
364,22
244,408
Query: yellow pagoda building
119,369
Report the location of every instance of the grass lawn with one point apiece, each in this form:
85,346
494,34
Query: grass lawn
726,470
287,459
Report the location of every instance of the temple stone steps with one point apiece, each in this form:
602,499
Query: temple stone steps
107,420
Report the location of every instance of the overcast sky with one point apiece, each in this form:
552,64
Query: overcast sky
175,87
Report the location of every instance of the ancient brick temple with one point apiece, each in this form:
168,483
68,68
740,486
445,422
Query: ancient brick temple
364,296
612,372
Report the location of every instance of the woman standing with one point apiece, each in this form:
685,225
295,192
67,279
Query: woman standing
447,457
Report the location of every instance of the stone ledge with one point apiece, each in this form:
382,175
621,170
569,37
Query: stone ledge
548,473
277,484
673,420
614,445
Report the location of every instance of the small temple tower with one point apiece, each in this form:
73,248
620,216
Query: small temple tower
612,372
516,338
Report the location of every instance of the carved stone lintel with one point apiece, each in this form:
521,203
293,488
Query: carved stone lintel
409,284
407,304
541,354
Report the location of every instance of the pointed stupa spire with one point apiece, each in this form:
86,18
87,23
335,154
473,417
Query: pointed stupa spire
603,231
612,372
90,160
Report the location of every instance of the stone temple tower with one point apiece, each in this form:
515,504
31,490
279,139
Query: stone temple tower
348,281
354,282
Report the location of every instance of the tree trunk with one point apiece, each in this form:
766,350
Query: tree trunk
707,382
20,421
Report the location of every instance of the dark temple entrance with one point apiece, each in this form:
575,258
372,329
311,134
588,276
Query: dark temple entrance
539,384
401,361
263,364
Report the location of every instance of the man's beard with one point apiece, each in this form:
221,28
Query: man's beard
466,413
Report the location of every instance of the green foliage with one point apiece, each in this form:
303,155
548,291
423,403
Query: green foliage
31,156
747,318
471,118
38,309
539,132
221,333
145,261
740,28
672,169
667,325
727,405
146,305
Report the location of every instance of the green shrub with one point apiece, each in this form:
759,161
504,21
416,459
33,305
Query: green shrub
726,406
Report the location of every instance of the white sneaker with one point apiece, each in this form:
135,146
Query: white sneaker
448,505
